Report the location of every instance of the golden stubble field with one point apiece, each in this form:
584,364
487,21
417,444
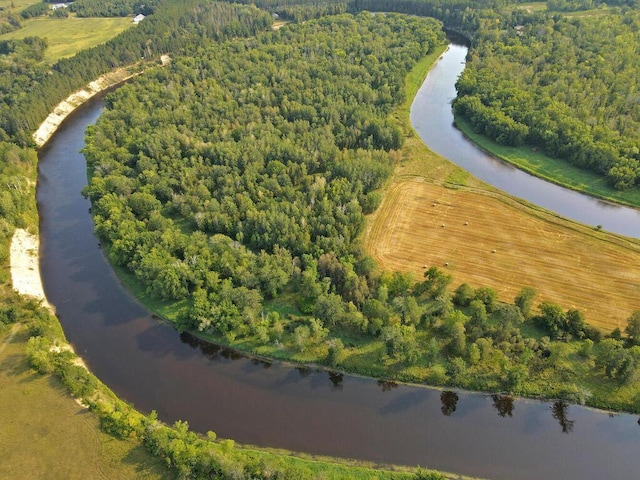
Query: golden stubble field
486,239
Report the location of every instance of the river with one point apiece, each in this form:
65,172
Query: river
432,118
153,367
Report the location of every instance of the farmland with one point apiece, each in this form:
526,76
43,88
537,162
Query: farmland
488,240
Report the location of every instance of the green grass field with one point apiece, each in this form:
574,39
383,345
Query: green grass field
67,36
46,434
15,5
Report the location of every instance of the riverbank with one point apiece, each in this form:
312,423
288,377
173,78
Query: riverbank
553,170
25,267
109,80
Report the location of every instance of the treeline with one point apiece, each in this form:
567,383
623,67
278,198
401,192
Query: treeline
460,15
564,85
578,5
299,10
28,91
113,8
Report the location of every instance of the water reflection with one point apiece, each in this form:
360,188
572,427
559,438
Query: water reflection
559,411
387,385
503,404
264,363
211,350
449,401
336,379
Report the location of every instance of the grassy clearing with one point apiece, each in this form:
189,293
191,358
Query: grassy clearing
15,5
67,36
47,434
552,169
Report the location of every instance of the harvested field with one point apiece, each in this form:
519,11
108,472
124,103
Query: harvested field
485,239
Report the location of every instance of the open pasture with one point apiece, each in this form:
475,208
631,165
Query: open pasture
15,6
486,239
67,36
46,434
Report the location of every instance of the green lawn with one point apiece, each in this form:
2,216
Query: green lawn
67,36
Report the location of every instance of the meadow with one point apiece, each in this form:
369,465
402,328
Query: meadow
15,5
67,36
46,433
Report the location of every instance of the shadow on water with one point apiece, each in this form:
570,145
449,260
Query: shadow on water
503,404
404,402
559,411
211,350
336,379
387,385
449,401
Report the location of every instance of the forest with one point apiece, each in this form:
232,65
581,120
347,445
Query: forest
562,84
30,89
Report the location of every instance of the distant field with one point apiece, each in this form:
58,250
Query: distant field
572,266
45,434
67,36
17,5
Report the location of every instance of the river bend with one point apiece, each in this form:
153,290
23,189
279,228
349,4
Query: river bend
153,367
432,118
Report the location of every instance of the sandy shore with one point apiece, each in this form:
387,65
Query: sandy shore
73,101
25,267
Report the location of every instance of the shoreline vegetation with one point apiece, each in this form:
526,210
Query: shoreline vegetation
538,164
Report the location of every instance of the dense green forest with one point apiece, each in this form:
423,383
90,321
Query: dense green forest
119,8
565,85
30,89
284,140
